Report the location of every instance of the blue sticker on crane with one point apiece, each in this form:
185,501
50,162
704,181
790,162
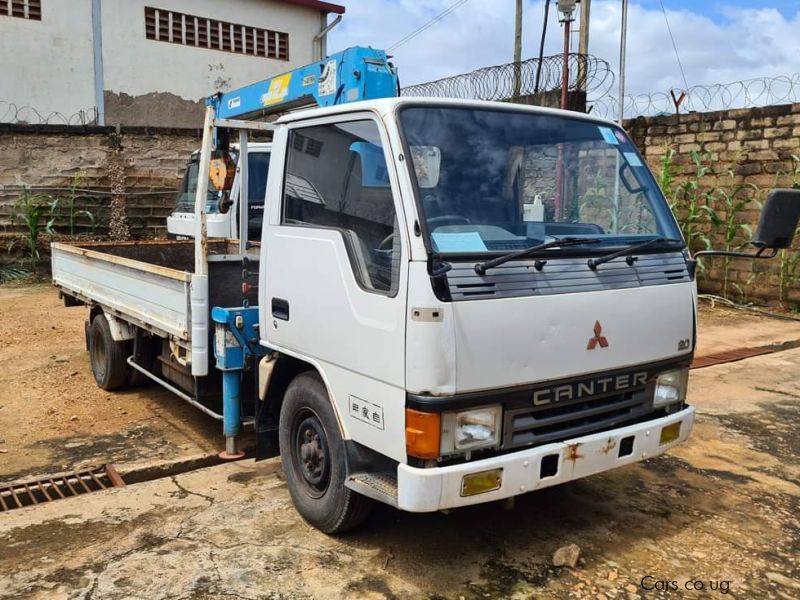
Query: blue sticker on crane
608,135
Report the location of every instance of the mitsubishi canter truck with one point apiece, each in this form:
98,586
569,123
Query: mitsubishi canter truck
451,302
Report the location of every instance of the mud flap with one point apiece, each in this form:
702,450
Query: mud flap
266,430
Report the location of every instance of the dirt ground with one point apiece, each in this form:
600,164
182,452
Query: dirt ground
721,511
52,415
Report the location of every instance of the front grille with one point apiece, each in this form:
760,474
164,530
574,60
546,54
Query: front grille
563,275
540,424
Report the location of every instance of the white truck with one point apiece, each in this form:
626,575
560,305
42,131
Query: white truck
455,302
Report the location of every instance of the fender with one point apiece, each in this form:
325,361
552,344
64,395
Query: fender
120,330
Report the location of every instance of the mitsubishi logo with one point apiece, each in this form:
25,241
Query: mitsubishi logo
598,338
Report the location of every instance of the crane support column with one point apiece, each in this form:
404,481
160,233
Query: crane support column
236,348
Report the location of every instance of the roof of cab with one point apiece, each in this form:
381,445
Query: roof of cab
386,106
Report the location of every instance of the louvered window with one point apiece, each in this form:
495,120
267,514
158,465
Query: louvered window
179,28
24,9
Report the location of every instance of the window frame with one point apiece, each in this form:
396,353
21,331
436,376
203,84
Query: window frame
230,37
31,9
394,187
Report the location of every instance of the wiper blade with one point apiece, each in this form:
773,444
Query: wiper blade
481,268
628,252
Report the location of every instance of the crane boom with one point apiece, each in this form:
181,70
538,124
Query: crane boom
358,73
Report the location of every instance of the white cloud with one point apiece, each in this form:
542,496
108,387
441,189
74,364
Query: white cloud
740,44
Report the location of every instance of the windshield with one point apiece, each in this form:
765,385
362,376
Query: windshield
256,188
186,196
500,180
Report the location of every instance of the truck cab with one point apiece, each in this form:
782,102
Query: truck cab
460,366
181,223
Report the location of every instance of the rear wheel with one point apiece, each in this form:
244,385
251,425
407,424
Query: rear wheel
108,357
312,454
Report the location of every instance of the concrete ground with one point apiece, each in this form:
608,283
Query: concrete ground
721,511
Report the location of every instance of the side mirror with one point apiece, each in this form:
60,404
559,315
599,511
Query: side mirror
776,228
779,219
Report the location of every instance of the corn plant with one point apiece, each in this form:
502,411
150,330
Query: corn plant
666,174
35,213
74,213
690,201
10,273
723,213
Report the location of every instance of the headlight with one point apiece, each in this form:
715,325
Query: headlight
671,387
471,429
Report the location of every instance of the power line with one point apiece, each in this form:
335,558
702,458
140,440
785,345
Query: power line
674,46
427,25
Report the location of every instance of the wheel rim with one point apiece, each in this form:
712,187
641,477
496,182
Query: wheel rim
310,454
98,355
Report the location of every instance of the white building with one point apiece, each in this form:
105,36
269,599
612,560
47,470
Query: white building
147,62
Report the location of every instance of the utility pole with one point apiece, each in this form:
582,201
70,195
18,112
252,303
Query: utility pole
622,54
518,52
583,44
567,10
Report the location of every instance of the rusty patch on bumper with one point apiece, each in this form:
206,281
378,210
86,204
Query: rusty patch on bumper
572,454
610,445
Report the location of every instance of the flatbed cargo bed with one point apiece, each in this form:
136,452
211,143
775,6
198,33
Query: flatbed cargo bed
148,283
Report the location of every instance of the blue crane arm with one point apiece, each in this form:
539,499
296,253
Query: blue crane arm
357,73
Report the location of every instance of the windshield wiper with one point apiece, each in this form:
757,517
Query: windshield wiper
628,251
481,268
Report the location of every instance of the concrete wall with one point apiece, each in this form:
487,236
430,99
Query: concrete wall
49,64
146,165
749,149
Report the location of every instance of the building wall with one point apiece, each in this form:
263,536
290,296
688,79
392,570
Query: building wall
47,65
149,82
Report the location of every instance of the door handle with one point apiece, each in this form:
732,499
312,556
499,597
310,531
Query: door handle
280,309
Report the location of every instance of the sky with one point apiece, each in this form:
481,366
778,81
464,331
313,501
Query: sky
718,42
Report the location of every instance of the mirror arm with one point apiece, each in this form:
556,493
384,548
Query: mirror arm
759,254
692,264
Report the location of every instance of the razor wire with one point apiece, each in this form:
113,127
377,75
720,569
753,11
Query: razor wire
28,115
747,93
497,82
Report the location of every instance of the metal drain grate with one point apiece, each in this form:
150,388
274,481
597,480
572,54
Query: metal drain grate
20,495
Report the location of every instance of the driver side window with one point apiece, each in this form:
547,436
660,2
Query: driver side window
337,178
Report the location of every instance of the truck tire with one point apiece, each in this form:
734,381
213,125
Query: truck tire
108,357
313,458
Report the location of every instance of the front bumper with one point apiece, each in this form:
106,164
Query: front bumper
427,490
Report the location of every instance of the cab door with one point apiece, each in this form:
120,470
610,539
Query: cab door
335,268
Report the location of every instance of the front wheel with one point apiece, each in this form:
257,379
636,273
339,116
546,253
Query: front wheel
313,458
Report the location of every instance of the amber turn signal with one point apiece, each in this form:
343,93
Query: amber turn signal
422,433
